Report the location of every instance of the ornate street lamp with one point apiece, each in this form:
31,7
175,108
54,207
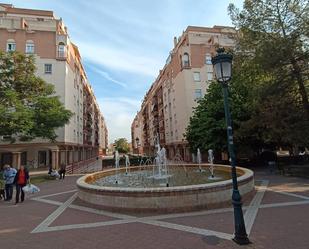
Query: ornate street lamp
137,144
222,63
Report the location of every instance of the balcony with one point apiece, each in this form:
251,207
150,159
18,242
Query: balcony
185,64
155,108
155,122
61,55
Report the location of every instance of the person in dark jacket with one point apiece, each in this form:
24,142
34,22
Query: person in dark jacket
21,180
62,171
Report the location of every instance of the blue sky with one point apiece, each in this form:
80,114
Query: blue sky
124,44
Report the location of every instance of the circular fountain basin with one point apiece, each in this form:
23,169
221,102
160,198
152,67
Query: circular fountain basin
101,189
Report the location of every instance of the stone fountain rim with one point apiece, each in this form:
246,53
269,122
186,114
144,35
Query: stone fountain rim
81,183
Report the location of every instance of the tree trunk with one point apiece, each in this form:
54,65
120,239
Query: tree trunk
301,87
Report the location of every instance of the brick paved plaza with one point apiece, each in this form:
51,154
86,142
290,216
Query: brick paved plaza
276,217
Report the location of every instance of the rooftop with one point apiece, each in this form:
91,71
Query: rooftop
9,8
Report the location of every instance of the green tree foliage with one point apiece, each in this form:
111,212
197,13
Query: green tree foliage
276,32
264,115
122,145
269,88
28,106
207,128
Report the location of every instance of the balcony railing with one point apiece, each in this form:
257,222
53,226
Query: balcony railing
61,55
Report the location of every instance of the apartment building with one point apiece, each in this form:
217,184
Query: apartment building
103,137
137,134
58,62
184,79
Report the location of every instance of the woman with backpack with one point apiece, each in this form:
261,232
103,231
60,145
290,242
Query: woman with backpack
21,180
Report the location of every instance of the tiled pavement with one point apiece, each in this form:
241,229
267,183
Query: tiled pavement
276,216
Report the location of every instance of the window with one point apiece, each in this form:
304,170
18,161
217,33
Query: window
10,46
197,76
42,157
29,48
209,76
61,50
48,68
185,60
198,94
208,59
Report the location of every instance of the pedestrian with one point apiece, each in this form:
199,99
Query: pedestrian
9,176
62,171
21,180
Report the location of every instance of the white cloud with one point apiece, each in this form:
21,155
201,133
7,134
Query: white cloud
107,76
116,58
119,114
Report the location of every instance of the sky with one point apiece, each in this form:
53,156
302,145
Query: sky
124,44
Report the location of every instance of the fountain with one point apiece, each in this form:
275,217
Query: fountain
163,186
127,162
211,162
159,168
193,158
117,165
199,159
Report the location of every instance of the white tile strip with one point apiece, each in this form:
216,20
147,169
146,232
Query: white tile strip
288,194
53,216
44,196
254,205
189,229
87,209
102,212
190,214
284,204
87,225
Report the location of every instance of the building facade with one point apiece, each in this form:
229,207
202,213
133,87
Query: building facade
184,79
103,137
58,62
137,134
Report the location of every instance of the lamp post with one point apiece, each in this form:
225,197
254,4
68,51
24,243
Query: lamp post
222,63
137,145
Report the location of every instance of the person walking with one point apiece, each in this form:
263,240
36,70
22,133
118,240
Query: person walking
21,180
9,176
62,171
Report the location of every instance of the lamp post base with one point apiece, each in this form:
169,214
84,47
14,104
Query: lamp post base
241,236
241,240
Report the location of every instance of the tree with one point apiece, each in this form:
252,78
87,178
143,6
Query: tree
207,127
28,106
122,145
264,114
276,33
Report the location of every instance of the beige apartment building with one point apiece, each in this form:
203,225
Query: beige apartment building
184,79
137,134
58,62
103,137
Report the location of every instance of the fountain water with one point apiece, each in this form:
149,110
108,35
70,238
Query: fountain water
117,164
193,158
211,161
127,161
199,159
160,170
